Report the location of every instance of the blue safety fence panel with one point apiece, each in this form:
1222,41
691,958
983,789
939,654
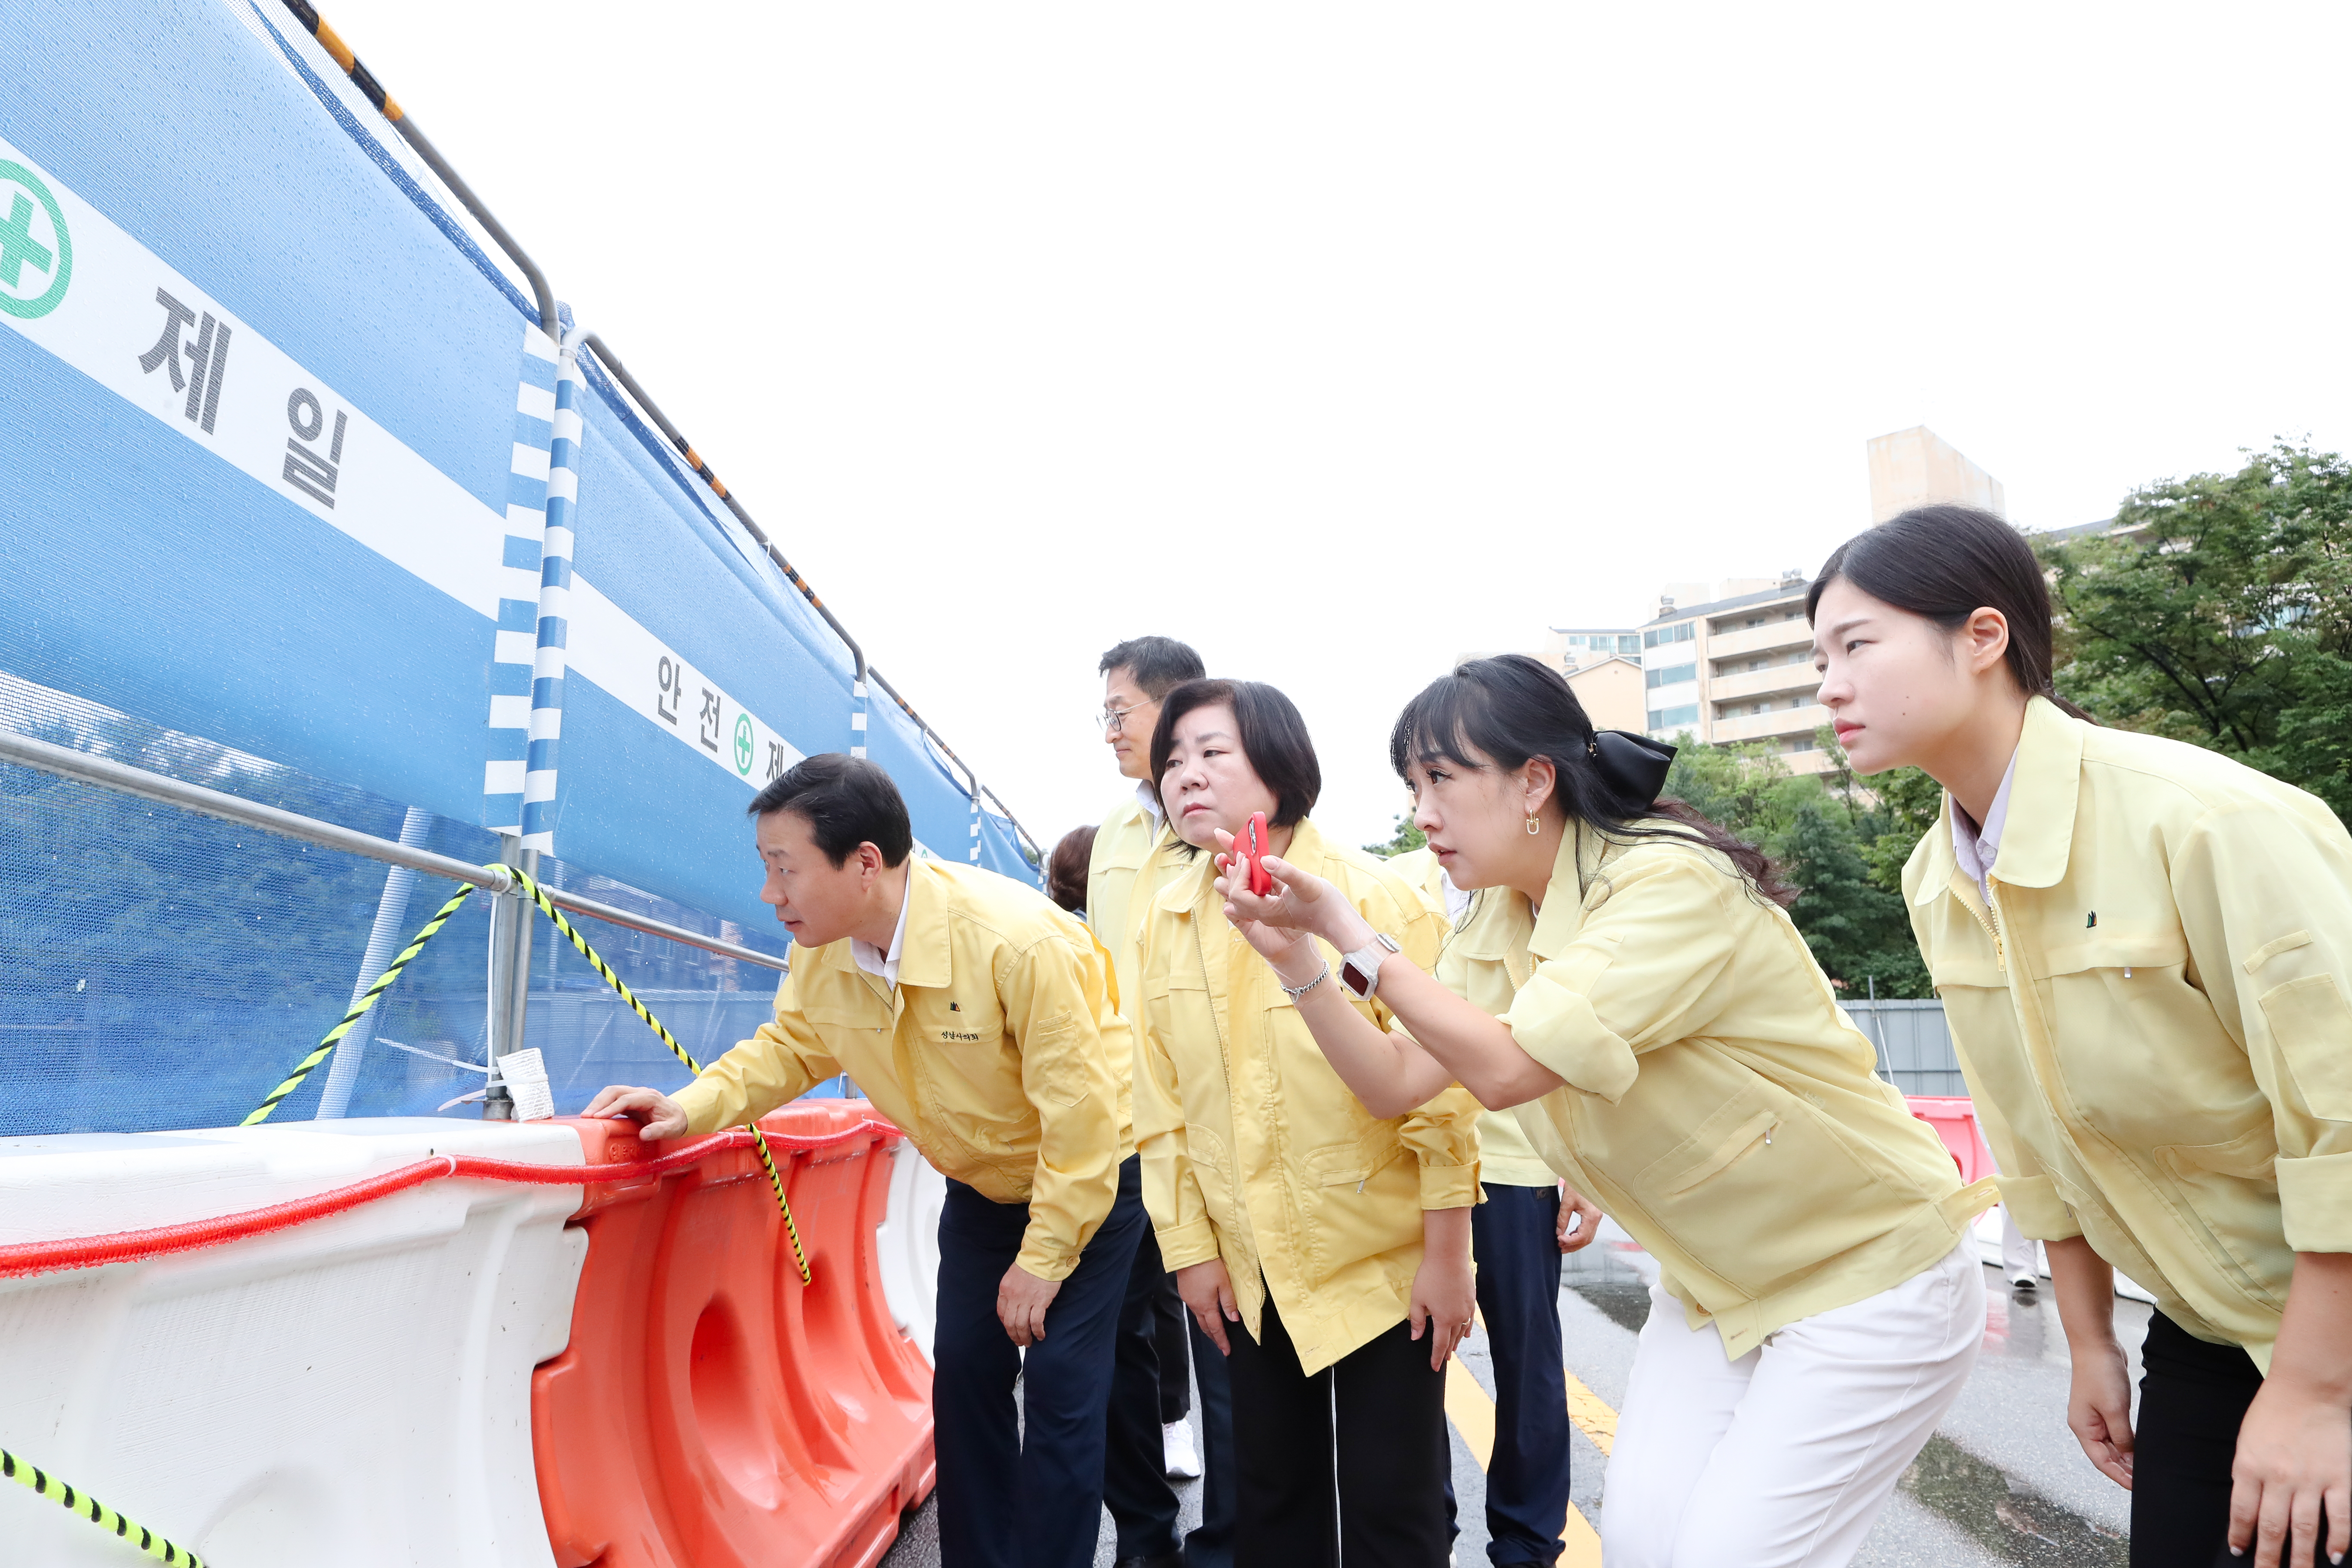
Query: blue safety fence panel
703,674
287,447
253,363
297,501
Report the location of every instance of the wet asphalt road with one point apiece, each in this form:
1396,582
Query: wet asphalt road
2001,1483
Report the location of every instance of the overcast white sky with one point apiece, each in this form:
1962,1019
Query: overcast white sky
1338,339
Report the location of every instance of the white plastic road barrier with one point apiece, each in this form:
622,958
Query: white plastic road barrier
353,1391
909,1243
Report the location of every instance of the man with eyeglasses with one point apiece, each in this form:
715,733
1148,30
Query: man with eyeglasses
1154,1324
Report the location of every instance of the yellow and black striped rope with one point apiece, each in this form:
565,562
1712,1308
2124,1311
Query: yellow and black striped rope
362,78
358,1009
759,1140
45,1484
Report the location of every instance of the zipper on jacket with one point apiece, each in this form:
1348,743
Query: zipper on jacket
1990,920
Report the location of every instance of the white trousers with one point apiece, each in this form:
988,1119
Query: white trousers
2021,1256
1785,1456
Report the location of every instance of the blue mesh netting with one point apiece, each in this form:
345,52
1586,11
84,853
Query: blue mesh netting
162,969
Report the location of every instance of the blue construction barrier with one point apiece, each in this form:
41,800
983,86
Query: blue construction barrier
283,447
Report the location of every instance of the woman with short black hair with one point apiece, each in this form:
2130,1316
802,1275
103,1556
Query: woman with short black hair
1324,1249
2144,950
1628,978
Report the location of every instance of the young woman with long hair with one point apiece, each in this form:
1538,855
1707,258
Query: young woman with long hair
1628,978
2141,947
1323,1247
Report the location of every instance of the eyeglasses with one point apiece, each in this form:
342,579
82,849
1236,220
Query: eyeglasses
1113,721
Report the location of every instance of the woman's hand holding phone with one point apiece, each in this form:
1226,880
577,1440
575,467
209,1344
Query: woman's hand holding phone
1247,911
1295,905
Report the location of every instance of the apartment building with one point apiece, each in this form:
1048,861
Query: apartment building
1603,666
1737,671
1575,648
1730,663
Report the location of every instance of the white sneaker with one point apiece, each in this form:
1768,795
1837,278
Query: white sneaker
1183,1459
2025,1281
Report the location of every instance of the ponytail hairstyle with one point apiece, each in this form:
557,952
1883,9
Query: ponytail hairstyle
1510,709
1947,562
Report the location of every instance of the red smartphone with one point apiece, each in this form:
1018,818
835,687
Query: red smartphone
1249,844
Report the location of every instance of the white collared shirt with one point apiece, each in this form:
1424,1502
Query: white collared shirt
1149,798
1976,848
873,960
1456,900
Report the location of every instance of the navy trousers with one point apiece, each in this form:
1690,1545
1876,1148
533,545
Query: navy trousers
1010,1498
1514,1235
1135,1488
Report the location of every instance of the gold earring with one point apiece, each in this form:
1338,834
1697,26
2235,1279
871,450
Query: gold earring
1535,826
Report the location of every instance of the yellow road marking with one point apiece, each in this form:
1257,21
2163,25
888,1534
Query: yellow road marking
1595,1419
1472,1415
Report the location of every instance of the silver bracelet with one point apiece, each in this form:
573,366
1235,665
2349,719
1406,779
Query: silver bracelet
1296,992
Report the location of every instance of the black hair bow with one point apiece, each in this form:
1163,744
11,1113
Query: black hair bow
1633,766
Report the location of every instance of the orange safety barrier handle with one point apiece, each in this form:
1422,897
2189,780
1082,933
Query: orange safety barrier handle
711,1410
123,1245
1954,1119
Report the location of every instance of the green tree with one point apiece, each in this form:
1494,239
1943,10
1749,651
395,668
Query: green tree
1407,837
2220,612
1829,835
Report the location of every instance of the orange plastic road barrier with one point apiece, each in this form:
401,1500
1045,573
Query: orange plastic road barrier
711,1410
1954,1118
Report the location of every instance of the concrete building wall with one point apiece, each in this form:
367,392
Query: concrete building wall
1919,468
1610,692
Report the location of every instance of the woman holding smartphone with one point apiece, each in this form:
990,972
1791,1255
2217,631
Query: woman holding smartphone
1324,1249
2141,948
1629,978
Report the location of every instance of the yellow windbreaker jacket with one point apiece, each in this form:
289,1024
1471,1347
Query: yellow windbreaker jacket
1506,1158
1252,1148
1718,1105
993,1053
2151,1014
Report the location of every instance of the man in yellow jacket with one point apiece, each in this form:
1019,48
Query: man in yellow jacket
980,1019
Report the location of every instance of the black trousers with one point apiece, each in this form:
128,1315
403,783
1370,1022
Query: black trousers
1211,1546
2192,1398
1170,1325
1374,1481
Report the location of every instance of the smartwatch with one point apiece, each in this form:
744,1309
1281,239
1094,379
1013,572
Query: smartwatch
1359,971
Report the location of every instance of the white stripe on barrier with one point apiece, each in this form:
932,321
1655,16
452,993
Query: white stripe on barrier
353,1391
908,1242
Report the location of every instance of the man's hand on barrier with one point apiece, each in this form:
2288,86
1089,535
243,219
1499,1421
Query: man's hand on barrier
661,1116
1021,1301
1208,1290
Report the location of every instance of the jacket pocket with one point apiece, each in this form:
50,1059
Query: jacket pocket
1765,1189
1362,1199
2230,1189
1062,1075
2313,1031
1742,1140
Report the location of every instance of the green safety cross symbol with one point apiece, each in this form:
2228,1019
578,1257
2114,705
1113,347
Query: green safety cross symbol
35,251
744,744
